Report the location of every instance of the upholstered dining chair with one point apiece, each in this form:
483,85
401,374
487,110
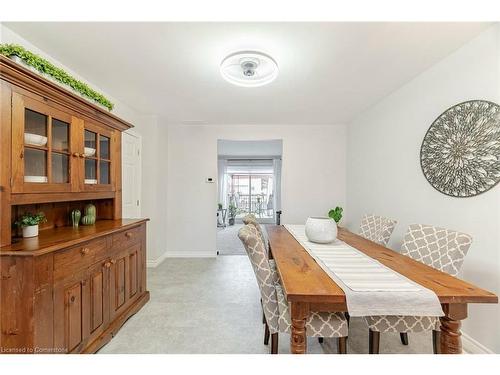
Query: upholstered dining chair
377,228
252,220
276,309
439,248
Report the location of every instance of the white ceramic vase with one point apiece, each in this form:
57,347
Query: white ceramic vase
30,231
321,229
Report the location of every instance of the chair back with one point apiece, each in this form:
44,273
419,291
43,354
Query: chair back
250,219
377,228
254,246
439,248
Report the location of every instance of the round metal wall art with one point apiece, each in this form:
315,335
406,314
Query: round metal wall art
460,153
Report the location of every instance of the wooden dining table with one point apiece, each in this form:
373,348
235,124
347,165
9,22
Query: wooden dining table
308,288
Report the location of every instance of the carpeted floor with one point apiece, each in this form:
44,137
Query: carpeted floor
228,242
211,305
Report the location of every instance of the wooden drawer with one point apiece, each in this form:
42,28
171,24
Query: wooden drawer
127,237
78,257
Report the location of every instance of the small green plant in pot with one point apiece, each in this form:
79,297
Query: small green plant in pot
336,214
29,223
232,213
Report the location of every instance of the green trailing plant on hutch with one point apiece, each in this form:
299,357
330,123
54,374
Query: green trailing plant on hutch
336,214
58,74
29,219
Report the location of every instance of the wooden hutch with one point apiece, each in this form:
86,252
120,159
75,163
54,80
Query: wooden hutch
69,290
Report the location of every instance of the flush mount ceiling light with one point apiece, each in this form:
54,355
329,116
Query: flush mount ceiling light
249,69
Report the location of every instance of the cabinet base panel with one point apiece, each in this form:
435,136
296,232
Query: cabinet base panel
115,326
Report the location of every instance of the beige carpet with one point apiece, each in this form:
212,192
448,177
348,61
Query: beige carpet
228,242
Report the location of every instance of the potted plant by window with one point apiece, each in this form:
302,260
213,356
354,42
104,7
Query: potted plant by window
232,213
29,223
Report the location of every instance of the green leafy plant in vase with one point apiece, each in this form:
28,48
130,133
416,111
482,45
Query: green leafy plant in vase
336,214
29,223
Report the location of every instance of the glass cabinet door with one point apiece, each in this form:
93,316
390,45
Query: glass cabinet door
60,151
35,146
41,147
98,158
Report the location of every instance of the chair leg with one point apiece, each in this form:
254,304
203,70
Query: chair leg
436,337
266,334
263,315
404,337
274,343
374,342
348,317
320,340
342,345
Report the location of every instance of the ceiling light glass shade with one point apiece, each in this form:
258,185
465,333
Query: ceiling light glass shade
249,69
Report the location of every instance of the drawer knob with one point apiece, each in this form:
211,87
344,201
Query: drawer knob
128,234
84,251
76,154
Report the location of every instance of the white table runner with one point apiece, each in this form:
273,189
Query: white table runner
370,287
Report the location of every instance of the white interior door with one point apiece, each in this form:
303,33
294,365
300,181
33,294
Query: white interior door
131,175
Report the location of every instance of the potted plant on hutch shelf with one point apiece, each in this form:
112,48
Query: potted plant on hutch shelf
29,223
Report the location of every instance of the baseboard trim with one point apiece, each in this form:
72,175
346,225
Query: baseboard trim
157,261
190,254
471,346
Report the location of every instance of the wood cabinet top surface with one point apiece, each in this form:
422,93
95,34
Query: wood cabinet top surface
304,280
59,238
34,82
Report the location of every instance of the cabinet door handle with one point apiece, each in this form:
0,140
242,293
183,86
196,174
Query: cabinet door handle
82,155
128,234
76,154
84,251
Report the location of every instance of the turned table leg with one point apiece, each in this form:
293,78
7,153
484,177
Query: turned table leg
298,339
450,340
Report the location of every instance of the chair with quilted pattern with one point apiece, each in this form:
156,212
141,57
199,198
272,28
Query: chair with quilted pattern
377,228
439,248
250,219
275,306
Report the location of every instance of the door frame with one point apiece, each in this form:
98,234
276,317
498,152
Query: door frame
134,134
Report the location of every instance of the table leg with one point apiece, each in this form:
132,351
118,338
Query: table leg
450,341
298,339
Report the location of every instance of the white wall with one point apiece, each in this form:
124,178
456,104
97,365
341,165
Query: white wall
313,177
249,148
153,201
384,175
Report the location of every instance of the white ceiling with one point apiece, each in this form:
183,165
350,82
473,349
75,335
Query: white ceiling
329,72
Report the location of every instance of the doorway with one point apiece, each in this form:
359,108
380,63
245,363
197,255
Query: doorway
131,175
249,182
